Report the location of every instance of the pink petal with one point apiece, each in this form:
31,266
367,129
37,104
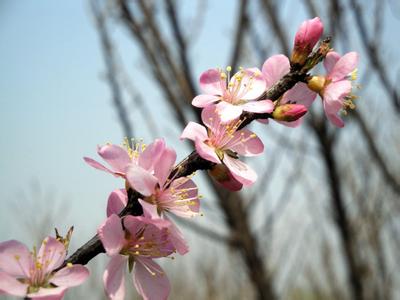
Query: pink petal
245,143
100,167
335,120
116,202
150,156
135,225
56,293
210,82
252,84
263,106
228,112
204,100
299,94
150,280
206,151
330,61
345,65
242,172
52,254
187,203
149,210
10,285
164,166
194,130
274,68
177,238
70,276
116,156
141,180
210,117
15,258
112,235
114,279
333,95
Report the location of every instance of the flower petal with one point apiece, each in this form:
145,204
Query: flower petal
182,198
299,94
335,120
10,285
149,210
52,254
112,235
252,84
116,156
206,151
150,280
210,82
263,106
164,166
116,202
141,180
177,238
15,258
194,130
242,172
204,100
246,143
274,68
56,293
333,95
150,156
221,174
101,167
345,65
330,61
210,117
228,112
114,279
70,276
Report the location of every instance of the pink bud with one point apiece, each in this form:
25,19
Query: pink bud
223,176
307,36
289,112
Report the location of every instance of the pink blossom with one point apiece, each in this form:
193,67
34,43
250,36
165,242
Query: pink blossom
233,94
274,68
32,275
335,88
221,143
142,240
133,162
307,36
119,198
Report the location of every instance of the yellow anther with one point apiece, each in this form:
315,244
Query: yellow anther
353,75
17,257
69,265
229,68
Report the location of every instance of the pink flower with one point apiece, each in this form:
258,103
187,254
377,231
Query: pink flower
335,88
32,275
307,36
142,240
118,200
221,143
233,94
128,162
274,68
178,196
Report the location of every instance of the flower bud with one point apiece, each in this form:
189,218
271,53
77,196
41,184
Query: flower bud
316,83
289,112
223,176
306,37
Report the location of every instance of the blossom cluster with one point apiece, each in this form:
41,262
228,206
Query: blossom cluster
134,241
